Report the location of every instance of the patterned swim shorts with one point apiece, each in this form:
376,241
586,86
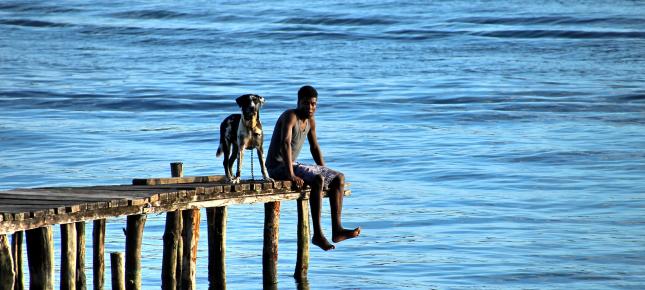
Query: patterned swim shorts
308,173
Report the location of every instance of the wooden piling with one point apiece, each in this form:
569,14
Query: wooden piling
216,217
172,243
133,239
180,250
7,273
270,249
98,254
116,266
302,258
68,257
40,257
16,248
81,279
191,237
171,240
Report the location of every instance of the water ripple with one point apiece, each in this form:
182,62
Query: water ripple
32,23
555,33
331,20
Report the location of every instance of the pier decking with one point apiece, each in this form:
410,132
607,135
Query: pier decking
34,211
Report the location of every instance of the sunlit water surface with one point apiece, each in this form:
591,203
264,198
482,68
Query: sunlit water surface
490,144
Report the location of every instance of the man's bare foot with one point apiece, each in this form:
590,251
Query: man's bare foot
322,243
345,234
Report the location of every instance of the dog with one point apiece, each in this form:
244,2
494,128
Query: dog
239,132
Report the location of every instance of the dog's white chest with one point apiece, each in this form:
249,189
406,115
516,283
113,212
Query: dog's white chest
250,137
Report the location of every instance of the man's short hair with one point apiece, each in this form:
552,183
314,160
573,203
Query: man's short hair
307,92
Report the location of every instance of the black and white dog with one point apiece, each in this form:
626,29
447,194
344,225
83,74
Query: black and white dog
239,132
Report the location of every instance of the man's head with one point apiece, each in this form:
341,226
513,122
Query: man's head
307,101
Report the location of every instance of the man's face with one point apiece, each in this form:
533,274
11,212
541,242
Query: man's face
308,106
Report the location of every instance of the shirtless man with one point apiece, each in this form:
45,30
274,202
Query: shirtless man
286,142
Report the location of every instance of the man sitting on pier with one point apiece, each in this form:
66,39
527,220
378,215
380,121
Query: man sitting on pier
288,137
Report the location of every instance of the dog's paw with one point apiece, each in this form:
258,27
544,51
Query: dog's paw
235,180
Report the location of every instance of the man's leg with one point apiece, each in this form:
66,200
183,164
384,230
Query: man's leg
336,194
315,202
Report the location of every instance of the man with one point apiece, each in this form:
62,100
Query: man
287,140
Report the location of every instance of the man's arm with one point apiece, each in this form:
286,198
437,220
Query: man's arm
316,153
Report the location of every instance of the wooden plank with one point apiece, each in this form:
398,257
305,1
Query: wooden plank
6,198
178,180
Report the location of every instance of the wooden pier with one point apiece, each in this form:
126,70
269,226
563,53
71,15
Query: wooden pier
35,211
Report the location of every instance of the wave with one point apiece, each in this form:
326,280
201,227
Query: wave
417,34
152,14
97,102
33,7
326,20
291,35
32,23
549,20
574,34
632,97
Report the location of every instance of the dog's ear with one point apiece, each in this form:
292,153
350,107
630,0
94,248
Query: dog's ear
243,101
259,100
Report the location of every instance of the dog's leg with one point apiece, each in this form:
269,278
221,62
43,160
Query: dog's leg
227,156
231,161
264,167
240,159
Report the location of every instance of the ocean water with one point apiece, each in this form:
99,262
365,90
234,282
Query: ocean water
490,144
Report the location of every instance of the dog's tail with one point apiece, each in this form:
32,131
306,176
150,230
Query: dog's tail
220,152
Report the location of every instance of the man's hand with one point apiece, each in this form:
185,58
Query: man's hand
298,181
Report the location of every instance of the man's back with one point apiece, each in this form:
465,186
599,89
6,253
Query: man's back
275,157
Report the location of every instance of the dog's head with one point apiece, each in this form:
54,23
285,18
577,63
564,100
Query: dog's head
250,105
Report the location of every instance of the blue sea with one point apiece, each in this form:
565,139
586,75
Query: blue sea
489,144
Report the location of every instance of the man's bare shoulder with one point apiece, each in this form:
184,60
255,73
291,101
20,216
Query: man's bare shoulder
288,117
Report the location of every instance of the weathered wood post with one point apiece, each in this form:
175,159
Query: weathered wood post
270,249
216,218
68,257
98,251
177,169
172,250
16,248
190,237
40,256
116,265
7,273
133,238
302,259
81,279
